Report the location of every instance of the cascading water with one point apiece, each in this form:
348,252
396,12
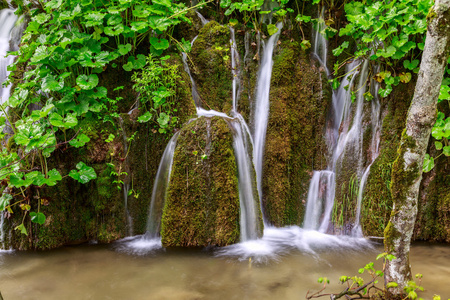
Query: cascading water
374,152
7,22
344,142
262,105
160,189
320,43
126,184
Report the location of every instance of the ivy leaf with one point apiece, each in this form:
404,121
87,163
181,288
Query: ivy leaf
38,218
428,163
145,117
53,176
84,173
438,145
159,44
87,82
163,119
4,201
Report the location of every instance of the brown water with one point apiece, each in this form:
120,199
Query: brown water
101,272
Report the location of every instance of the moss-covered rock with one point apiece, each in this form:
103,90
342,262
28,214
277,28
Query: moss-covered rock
202,204
299,100
211,68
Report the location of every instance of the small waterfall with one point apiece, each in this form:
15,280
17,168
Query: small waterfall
235,69
261,114
7,39
320,201
160,189
374,152
195,95
320,43
344,137
202,18
126,184
249,209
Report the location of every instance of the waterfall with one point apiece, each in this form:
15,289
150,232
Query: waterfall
7,22
320,43
126,184
160,186
344,138
248,208
235,68
261,114
374,151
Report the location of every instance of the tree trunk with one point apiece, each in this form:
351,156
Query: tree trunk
407,168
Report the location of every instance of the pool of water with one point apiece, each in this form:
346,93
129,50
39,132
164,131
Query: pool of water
119,271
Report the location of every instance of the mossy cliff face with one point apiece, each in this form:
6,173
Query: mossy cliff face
76,212
211,67
299,100
202,203
79,213
147,148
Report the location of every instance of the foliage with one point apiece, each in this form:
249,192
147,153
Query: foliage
156,84
357,288
65,49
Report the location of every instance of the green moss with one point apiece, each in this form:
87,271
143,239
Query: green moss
211,67
3,4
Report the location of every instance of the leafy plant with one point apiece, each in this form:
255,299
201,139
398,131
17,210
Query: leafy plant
65,48
156,84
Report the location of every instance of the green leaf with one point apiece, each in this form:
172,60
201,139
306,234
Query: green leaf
53,176
302,18
85,173
428,163
87,82
4,201
145,117
37,218
438,145
50,84
446,150
22,229
56,120
159,44
410,65
338,50
272,29
79,141
385,92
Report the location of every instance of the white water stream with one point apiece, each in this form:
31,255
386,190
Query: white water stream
262,105
344,137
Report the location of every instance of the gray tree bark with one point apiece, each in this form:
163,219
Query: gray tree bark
407,168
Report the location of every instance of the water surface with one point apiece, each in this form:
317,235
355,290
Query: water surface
104,272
